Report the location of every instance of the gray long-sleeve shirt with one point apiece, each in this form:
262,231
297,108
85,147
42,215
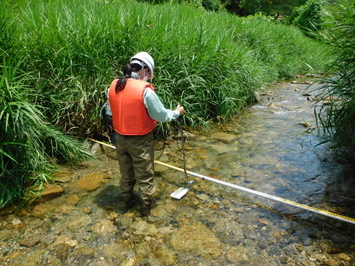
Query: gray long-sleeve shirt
156,109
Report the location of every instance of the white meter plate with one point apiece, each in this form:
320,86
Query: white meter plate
178,194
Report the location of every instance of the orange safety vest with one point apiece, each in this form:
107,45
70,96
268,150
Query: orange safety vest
129,115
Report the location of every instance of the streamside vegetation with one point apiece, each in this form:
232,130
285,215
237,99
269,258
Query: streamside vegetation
59,57
337,118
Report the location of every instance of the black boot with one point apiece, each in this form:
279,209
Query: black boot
145,209
130,199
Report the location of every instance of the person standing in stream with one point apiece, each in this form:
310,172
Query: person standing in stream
136,109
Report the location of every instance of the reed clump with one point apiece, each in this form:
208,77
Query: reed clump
335,111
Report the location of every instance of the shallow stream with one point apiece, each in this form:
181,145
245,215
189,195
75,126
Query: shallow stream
272,148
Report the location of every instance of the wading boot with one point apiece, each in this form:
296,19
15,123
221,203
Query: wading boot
145,209
130,199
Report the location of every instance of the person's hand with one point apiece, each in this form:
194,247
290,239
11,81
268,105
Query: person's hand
180,109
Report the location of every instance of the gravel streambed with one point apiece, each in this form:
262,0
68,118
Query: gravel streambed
80,220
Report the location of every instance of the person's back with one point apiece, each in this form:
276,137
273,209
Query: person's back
135,111
132,117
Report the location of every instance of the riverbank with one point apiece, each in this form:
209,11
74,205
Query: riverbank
271,149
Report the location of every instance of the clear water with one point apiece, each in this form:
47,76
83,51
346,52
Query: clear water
212,224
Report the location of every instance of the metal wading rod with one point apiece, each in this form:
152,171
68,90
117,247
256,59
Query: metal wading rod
248,190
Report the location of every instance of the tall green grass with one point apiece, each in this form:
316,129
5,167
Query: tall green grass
76,49
29,145
337,119
58,58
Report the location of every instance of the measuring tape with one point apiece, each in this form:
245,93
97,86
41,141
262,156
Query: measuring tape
255,192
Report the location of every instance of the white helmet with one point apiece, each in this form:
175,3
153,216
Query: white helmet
146,59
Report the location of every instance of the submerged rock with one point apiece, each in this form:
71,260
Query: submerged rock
103,227
223,137
167,256
42,209
43,192
141,227
196,238
62,176
92,181
29,241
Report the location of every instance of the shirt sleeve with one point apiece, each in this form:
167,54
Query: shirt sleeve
156,109
107,104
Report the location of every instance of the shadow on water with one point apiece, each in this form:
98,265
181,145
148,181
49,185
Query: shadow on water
110,199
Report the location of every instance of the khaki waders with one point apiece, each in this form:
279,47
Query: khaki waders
136,161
